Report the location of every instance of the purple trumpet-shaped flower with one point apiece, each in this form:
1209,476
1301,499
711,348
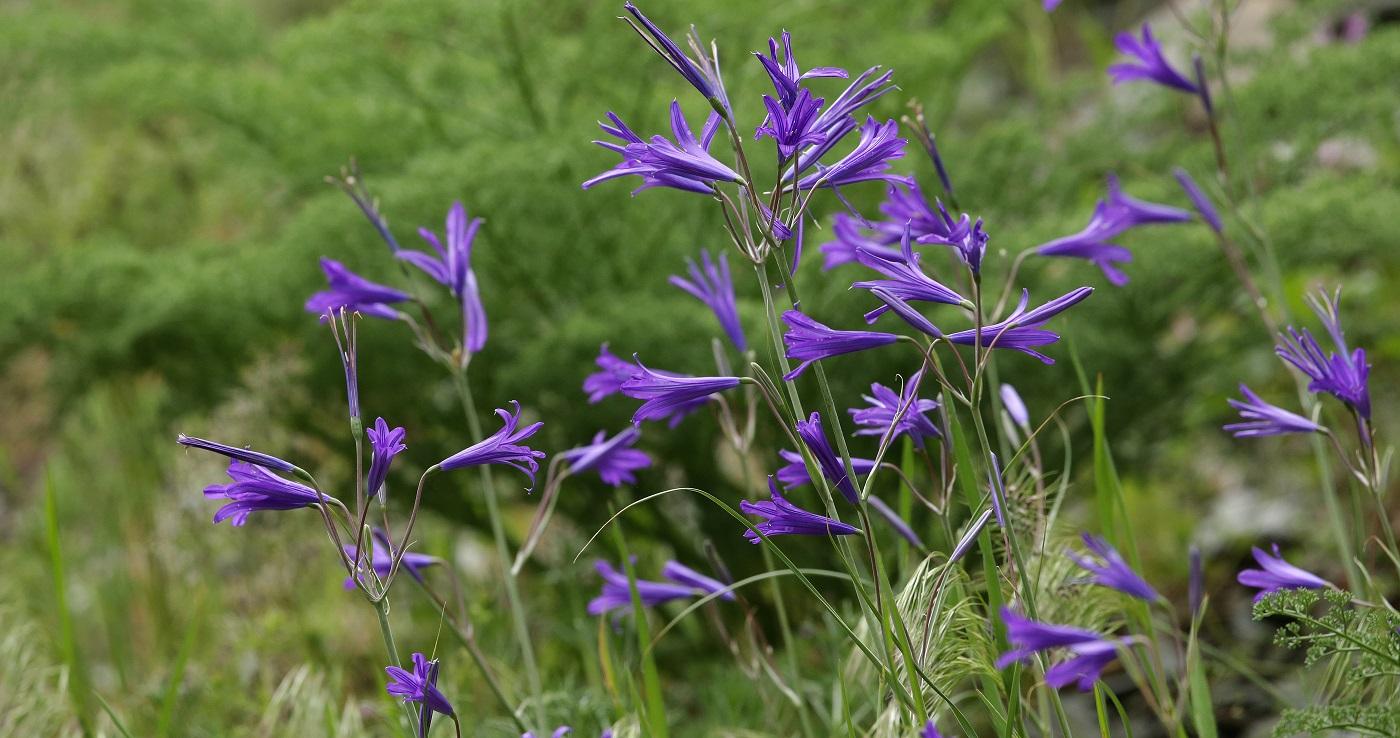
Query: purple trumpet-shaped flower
355,293
794,472
838,118
240,454
1112,216
385,444
684,164
254,488
896,522
1259,418
782,518
813,435
850,240
905,279
879,145
381,559
613,459
906,312
1276,574
614,372
785,73
420,686
669,395
1198,198
1110,570
1021,330
453,267
1011,401
711,284
1146,63
1092,653
502,447
886,404
685,583
792,126
662,44
809,341
1342,374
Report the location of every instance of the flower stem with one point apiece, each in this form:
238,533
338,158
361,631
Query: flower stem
381,608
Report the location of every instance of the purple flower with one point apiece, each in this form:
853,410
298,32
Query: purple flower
684,164
838,118
1011,401
713,286
896,522
613,459
966,237
609,381
1110,570
794,472
1342,374
997,490
782,518
663,45
669,395
1259,418
905,279
240,454
1021,330
502,447
792,125
930,728
1277,574
385,444
1204,208
969,537
1050,5
886,404
850,240
784,71
814,437
1113,216
453,267
870,160
1146,63
255,488
685,583
1091,651
906,312
559,732
355,293
381,559
809,341
419,685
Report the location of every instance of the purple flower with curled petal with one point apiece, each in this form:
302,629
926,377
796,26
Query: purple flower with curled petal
885,405
685,583
355,293
1021,330
420,686
966,237
1259,418
1091,652
1276,574
1204,208
614,372
814,437
809,341
255,488
879,145
1146,63
381,559
502,447
669,395
791,127
453,267
613,459
684,164
1110,570
794,472
1342,374
239,454
1011,401
711,284
782,518
384,444
785,73
1113,216
905,278
662,44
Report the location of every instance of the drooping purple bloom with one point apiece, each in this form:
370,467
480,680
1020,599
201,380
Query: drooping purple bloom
1204,208
711,284
794,472
1342,374
900,526
1276,574
669,395
1110,570
614,372
1259,418
906,312
885,405
1011,401
453,267
502,447
685,583
879,145
809,341
785,73
355,293
969,537
668,50
613,459
1021,330
782,518
420,686
254,488
792,126
240,454
385,444
381,559
813,435
1092,653
1146,63
684,164
905,278
1113,215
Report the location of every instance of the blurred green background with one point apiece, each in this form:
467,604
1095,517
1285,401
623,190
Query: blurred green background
162,209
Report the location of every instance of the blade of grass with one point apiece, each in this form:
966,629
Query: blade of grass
67,641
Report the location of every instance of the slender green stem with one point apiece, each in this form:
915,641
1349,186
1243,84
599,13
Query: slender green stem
381,608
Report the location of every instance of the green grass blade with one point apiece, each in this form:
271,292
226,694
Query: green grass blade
67,641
